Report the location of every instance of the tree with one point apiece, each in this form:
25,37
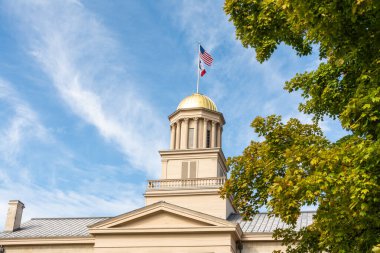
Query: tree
295,164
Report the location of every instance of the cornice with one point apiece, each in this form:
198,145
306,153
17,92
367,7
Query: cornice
200,109
47,241
248,237
217,229
197,151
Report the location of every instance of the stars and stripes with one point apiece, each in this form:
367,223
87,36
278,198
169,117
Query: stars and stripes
203,58
206,57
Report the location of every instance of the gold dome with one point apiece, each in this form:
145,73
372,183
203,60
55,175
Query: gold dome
197,101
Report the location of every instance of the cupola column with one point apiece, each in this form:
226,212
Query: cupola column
178,134
204,133
172,136
195,133
213,134
218,137
185,134
220,129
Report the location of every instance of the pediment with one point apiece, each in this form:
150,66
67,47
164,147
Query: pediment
162,219
160,215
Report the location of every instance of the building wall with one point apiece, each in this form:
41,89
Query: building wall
126,244
146,243
164,243
196,249
262,247
206,167
50,249
211,204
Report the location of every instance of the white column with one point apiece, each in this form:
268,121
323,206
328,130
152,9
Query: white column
218,136
204,133
178,135
221,134
172,136
185,134
195,133
213,134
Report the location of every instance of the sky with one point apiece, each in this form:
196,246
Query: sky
86,88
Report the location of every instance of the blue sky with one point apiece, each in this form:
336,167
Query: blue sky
86,88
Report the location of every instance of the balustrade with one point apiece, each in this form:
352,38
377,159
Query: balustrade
167,184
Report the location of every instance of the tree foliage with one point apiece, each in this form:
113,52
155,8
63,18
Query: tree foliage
295,164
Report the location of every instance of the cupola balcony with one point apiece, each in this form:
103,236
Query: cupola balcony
188,183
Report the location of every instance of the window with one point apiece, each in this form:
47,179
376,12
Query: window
190,144
208,141
193,169
184,172
189,170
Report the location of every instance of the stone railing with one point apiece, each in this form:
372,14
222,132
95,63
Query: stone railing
189,183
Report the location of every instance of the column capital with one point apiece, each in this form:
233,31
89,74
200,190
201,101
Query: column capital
195,118
213,122
186,120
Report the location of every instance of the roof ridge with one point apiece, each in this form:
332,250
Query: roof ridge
274,214
69,218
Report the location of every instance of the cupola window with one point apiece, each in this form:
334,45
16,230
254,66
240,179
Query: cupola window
208,139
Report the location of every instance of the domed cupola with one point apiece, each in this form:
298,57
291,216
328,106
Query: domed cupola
196,124
197,101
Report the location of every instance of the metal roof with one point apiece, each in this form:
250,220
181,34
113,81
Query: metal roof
264,223
53,227
77,227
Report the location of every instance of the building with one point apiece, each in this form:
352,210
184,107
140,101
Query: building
183,211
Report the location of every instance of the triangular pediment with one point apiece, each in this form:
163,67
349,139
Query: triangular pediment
161,215
162,219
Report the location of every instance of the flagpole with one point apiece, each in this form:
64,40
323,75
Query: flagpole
199,44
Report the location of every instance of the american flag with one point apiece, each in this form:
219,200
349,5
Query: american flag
206,57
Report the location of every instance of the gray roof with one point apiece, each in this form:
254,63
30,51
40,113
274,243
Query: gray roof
77,227
53,227
263,223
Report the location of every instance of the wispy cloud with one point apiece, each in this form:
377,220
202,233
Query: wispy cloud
81,56
42,202
202,21
21,127
39,181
